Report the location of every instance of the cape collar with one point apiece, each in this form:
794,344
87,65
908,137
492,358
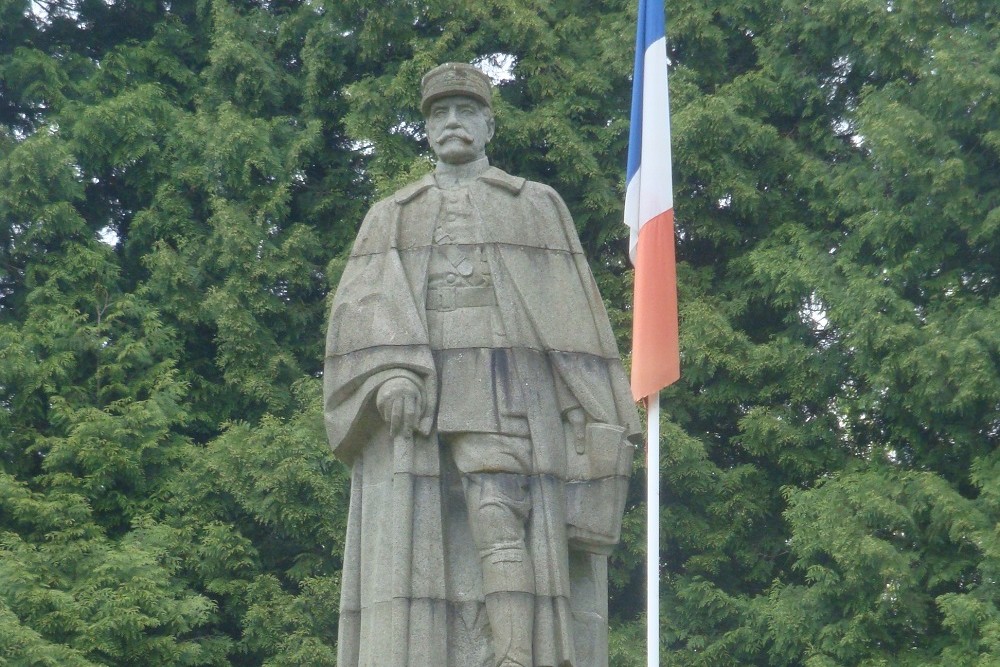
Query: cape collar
492,176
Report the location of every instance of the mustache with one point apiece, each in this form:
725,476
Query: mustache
454,134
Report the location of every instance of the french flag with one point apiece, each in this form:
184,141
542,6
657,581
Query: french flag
649,212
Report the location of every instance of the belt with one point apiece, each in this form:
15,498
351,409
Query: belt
445,299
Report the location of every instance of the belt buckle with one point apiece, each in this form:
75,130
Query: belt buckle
445,299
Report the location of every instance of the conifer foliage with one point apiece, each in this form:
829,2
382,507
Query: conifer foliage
179,182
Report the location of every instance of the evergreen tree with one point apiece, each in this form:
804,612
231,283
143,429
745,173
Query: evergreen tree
179,182
173,181
832,447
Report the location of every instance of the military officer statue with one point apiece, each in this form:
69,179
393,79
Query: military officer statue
473,384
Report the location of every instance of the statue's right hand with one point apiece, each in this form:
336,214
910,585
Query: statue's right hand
397,401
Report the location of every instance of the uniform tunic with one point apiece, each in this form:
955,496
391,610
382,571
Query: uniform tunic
479,391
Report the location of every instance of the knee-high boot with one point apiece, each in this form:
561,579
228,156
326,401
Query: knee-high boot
512,618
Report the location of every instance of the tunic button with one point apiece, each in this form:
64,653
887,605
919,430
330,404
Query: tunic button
451,277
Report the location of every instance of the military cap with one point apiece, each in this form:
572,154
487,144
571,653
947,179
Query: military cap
454,79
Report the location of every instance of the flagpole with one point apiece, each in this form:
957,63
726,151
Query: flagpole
653,530
649,215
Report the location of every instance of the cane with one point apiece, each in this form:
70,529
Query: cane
402,565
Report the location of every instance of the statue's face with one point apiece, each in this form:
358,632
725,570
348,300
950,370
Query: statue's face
458,129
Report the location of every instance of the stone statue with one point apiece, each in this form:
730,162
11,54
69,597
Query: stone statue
473,384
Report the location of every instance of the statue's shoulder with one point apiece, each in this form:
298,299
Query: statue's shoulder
535,211
402,196
499,178
520,187
410,192
378,228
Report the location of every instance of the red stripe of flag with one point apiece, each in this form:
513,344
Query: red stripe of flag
655,349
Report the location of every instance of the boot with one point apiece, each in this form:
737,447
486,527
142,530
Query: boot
512,620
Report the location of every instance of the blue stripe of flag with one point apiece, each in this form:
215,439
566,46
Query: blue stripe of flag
651,27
